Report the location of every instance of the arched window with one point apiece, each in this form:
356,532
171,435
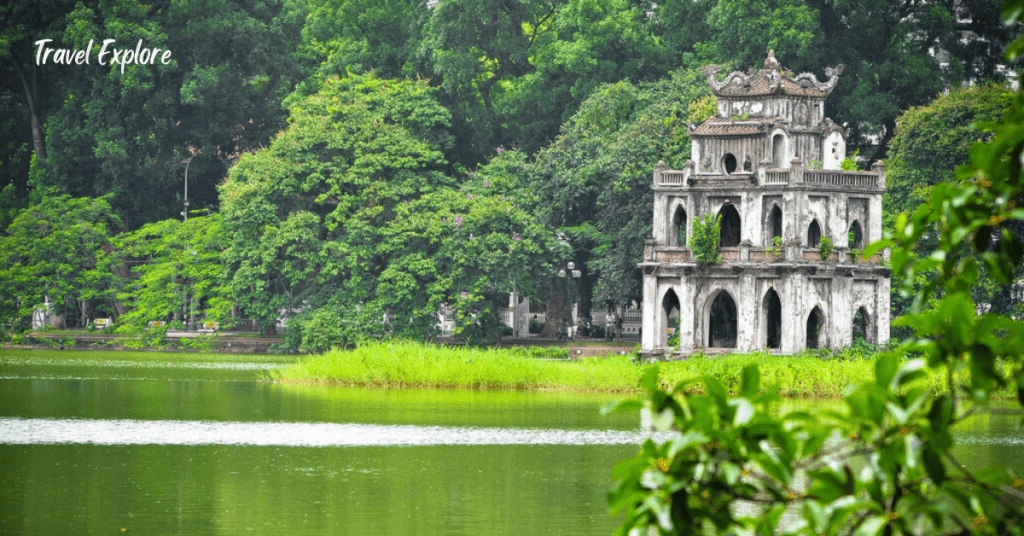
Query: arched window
860,325
772,311
855,236
729,163
813,234
722,321
679,225
778,151
670,306
815,323
729,231
774,224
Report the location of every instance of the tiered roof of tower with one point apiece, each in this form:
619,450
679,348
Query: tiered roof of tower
772,79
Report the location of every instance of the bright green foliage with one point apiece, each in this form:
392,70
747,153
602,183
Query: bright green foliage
825,247
704,244
347,225
883,464
932,140
306,214
179,274
464,248
594,179
415,365
775,250
60,249
850,162
930,143
744,31
360,36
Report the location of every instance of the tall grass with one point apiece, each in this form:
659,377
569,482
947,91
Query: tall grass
411,364
795,375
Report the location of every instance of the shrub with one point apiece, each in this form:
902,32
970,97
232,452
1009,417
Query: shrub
825,247
704,244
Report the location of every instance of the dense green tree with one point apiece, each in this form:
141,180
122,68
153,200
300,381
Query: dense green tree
177,273
930,143
594,179
901,54
131,132
25,95
360,36
347,224
743,32
59,251
475,49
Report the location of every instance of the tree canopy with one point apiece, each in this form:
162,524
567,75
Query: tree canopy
594,179
571,101
58,251
347,223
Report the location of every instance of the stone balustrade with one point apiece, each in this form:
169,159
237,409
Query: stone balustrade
682,254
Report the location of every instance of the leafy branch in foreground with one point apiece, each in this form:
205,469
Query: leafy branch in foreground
884,463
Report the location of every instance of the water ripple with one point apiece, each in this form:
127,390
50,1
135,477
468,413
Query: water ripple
15,431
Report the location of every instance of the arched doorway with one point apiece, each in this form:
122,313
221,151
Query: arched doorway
860,325
774,224
722,321
679,226
813,234
855,237
772,314
729,230
670,308
815,324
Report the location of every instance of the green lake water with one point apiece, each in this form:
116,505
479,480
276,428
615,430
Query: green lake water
154,443
151,443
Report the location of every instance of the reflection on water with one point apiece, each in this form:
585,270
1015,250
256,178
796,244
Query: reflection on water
289,434
151,443
97,442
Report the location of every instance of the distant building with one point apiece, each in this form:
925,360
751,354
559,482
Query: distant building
768,164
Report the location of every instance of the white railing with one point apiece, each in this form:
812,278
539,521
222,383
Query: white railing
841,178
672,178
776,176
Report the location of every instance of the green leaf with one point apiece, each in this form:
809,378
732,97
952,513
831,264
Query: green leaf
885,368
626,406
751,382
872,526
933,465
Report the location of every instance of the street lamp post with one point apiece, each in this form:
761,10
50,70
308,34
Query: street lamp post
187,162
576,274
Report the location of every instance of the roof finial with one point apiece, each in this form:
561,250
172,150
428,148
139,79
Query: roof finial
771,63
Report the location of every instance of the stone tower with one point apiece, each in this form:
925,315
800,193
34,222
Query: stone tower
768,164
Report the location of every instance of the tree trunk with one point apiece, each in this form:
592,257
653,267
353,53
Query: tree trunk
32,96
557,308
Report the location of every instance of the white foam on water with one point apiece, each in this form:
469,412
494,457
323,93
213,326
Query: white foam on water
15,431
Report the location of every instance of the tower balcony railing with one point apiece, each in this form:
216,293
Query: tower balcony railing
743,253
673,178
828,177
796,174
